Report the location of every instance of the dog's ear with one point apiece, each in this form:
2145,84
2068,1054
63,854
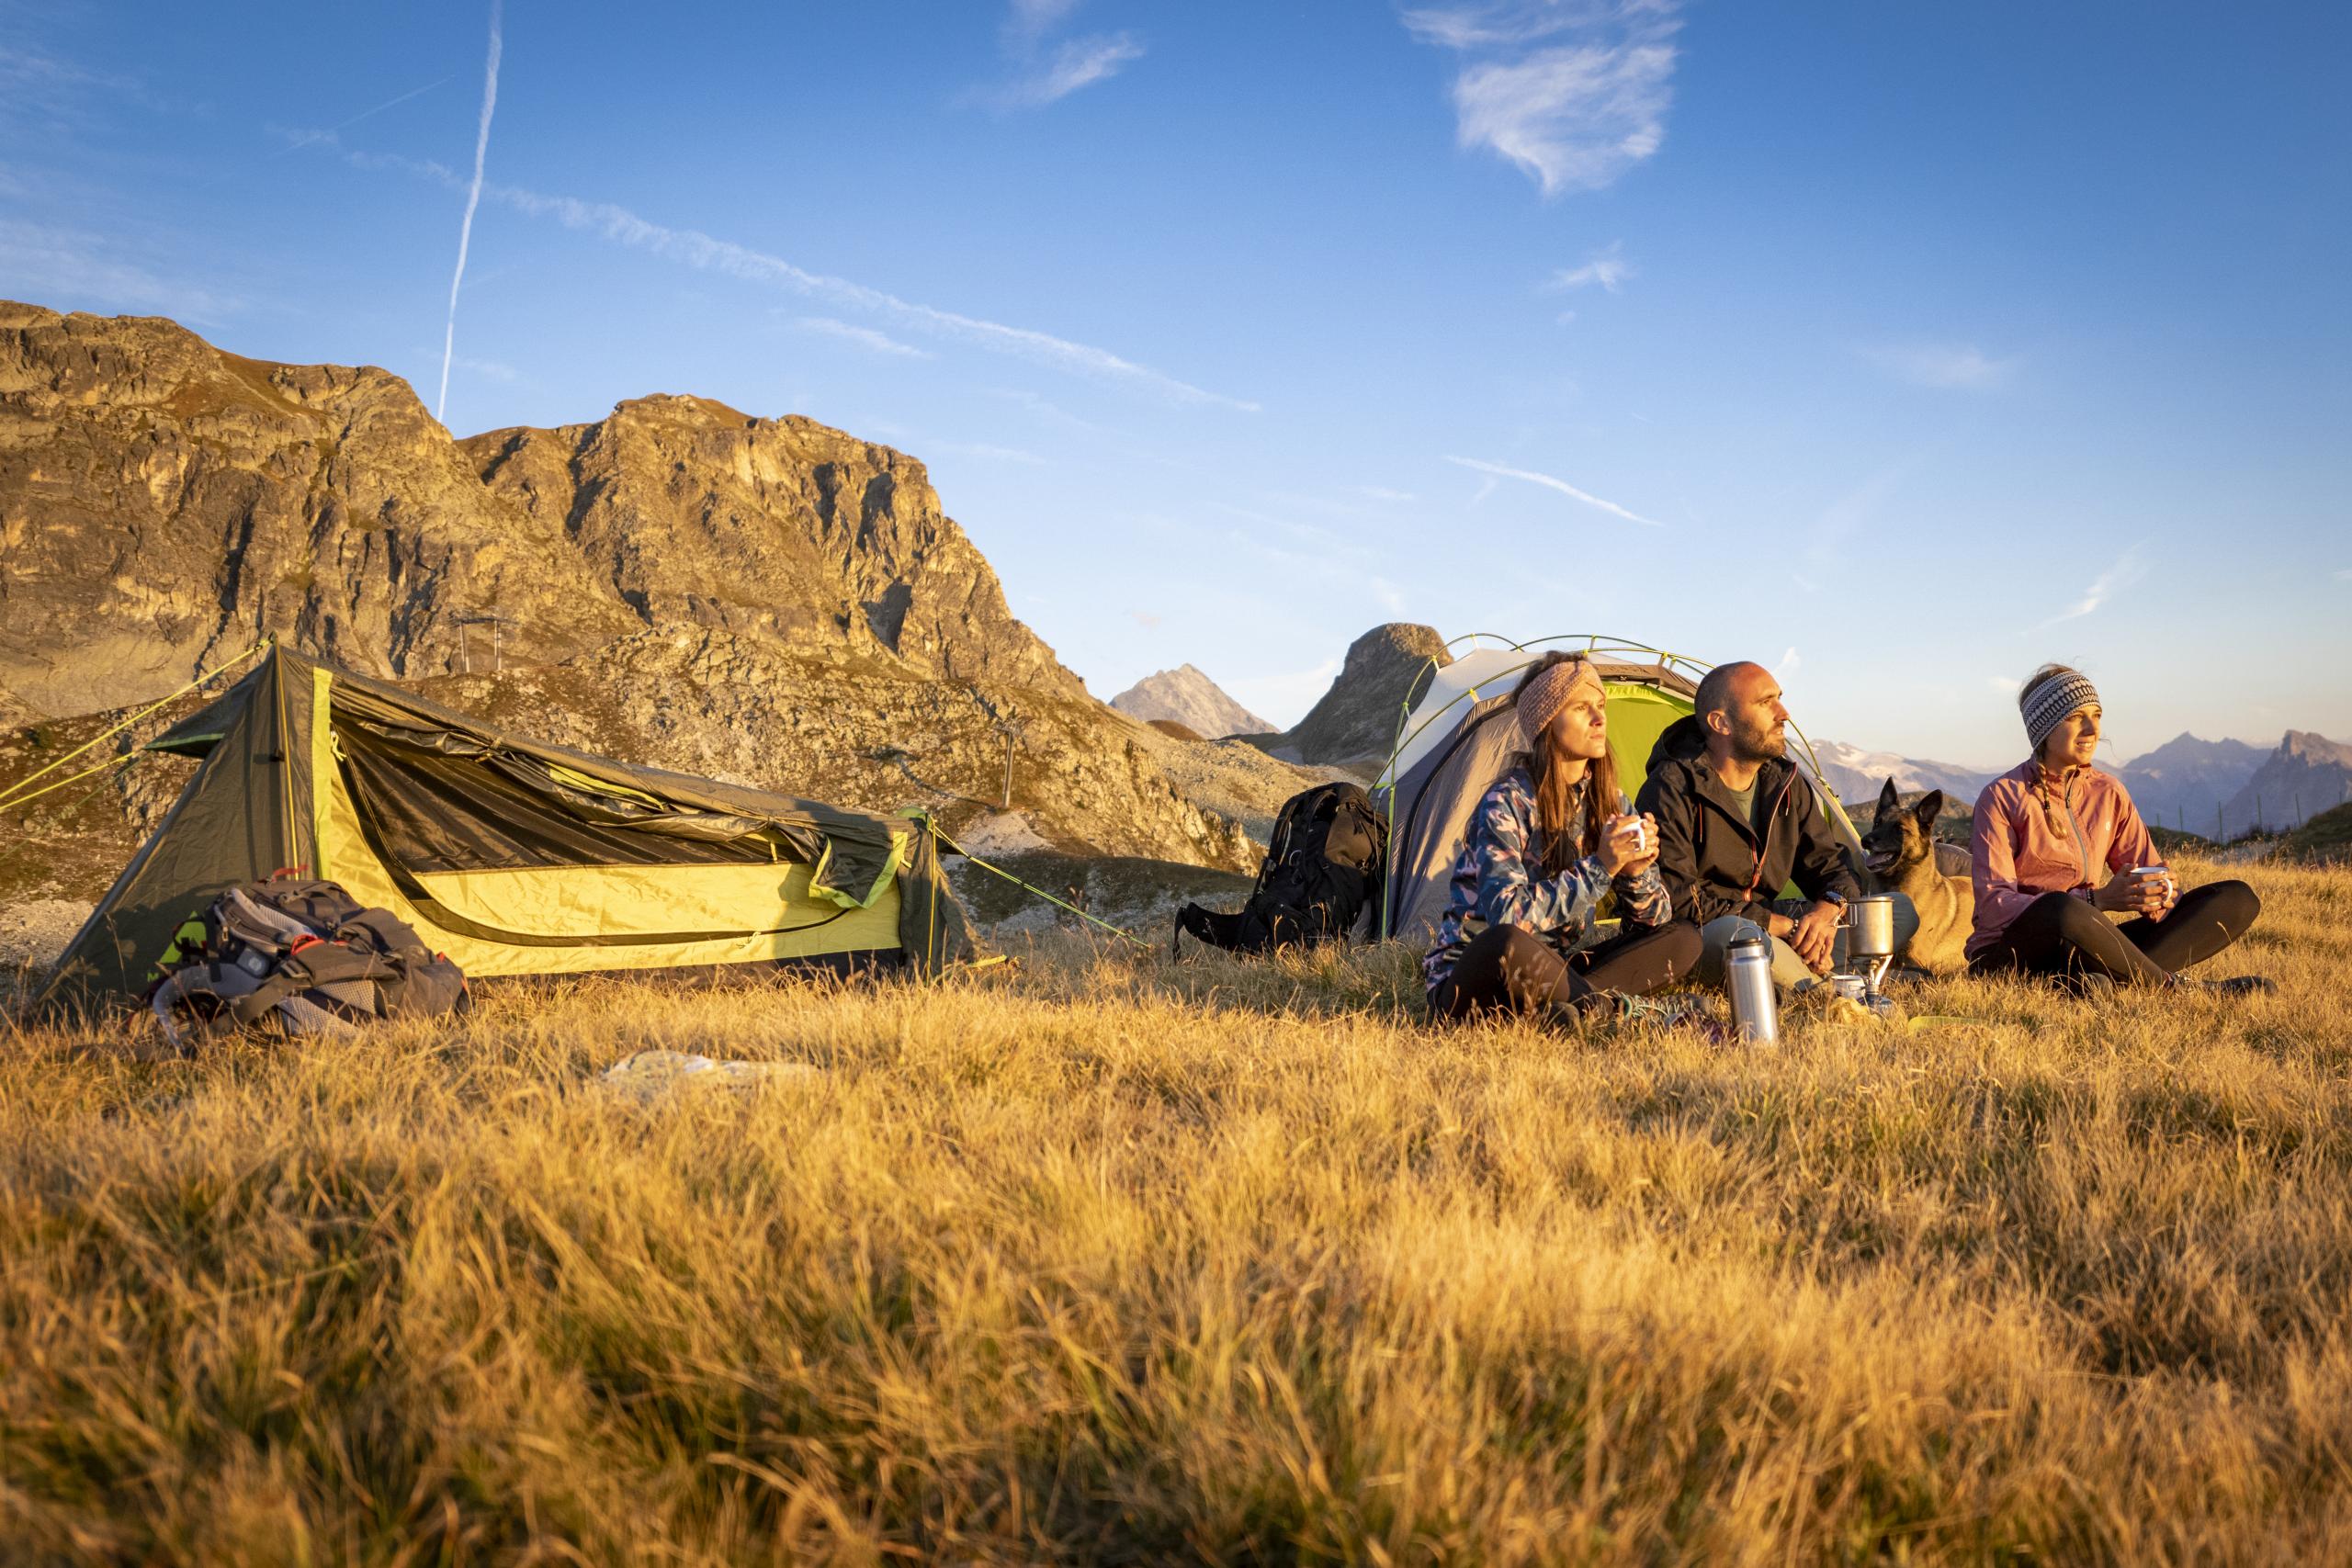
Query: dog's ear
1886,799
1928,810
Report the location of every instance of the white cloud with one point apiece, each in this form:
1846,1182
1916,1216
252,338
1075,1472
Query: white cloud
1789,663
1574,115
2126,571
864,337
1563,486
1564,318
1959,366
2344,574
489,369
1079,63
1145,619
1041,79
1607,268
1382,492
705,252
2004,684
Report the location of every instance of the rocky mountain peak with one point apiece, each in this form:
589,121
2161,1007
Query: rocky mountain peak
1186,696
163,502
1356,719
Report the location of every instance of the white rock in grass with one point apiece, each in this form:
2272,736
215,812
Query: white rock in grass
649,1076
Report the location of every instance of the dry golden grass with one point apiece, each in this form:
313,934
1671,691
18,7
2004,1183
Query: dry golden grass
1111,1260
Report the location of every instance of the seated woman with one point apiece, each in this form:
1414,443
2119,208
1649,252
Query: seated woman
1551,837
2058,844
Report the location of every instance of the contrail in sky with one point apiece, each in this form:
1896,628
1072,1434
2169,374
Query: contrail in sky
1548,482
305,139
473,200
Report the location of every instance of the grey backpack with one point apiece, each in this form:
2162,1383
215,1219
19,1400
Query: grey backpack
297,957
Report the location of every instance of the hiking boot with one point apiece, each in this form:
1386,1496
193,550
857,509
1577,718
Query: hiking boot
2236,985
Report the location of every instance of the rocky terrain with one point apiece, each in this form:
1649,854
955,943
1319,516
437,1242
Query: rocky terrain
1185,696
1354,723
769,600
2182,782
2305,776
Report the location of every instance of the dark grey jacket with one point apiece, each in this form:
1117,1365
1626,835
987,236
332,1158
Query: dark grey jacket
1714,860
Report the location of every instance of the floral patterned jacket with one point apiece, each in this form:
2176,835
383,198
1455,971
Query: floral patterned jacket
1499,881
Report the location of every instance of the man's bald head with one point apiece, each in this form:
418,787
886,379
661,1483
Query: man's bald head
1739,704
1721,687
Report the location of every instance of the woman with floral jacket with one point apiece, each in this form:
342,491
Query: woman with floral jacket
1549,841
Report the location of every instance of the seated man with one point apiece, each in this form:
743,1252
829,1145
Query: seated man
1737,820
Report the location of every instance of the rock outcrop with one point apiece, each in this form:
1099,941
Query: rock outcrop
1356,720
2183,781
2306,775
1186,696
678,582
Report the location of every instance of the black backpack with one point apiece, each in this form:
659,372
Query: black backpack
1322,870
297,955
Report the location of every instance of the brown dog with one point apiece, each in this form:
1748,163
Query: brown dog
1900,850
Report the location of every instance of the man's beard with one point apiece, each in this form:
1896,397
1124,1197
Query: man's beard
1758,744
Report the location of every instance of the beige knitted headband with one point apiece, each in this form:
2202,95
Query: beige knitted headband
1549,693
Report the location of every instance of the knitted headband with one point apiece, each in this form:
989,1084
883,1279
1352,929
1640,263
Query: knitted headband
2054,701
1549,693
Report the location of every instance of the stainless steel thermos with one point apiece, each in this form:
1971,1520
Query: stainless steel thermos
1747,979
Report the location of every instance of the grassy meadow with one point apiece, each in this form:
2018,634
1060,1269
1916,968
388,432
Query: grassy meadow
1102,1258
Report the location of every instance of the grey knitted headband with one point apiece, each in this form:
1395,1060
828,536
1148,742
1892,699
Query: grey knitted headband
2052,702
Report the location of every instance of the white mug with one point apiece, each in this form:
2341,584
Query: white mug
1639,832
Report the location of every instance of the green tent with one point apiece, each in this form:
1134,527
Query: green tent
1448,753
512,856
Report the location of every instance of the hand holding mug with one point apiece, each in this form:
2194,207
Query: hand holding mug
2141,891
1627,843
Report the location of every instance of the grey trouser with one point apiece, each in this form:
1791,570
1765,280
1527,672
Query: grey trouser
1789,971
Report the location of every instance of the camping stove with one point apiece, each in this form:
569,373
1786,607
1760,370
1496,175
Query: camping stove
1868,928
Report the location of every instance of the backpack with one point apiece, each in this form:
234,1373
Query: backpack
301,956
1323,869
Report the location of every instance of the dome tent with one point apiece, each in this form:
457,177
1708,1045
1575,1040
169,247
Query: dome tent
1457,735
511,855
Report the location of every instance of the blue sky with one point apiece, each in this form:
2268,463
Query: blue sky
1900,346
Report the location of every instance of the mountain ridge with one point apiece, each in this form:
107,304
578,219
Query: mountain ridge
1186,695
676,581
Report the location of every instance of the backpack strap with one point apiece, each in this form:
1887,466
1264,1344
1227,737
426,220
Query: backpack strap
321,964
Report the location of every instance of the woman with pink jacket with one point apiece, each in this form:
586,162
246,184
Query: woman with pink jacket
2059,846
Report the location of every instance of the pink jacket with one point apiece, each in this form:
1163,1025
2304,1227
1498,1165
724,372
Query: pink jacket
2034,836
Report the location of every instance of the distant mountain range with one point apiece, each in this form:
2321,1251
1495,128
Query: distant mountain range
2181,783
1857,775
2306,775
1186,696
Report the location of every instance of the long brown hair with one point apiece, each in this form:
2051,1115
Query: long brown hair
1569,817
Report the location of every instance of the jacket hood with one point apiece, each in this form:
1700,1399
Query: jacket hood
1684,740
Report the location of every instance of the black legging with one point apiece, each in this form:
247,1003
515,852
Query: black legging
1510,969
2061,934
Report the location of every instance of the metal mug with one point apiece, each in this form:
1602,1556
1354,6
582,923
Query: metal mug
1853,987
2172,889
1870,927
